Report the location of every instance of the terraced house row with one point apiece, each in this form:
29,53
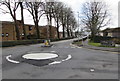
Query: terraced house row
8,31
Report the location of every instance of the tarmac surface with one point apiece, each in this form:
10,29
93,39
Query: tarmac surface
72,62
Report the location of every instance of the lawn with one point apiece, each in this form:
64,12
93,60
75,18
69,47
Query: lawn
94,44
99,45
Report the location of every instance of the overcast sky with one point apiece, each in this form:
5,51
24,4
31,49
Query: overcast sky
75,5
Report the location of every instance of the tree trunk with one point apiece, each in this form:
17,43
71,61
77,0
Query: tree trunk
58,36
71,32
68,33
37,30
63,31
16,27
22,21
50,32
17,30
36,24
92,36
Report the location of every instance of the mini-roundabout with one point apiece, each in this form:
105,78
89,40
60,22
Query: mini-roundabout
39,58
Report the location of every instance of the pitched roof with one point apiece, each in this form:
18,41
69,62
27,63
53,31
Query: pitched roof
112,29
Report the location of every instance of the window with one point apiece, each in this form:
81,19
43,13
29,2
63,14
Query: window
30,28
2,34
7,34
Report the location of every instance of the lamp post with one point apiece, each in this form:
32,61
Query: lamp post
79,29
78,26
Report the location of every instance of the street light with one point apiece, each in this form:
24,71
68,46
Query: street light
79,29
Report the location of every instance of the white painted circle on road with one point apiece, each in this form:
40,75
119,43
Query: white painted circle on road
13,61
40,56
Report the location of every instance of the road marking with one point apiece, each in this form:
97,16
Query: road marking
92,70
55,62
39,56
58,62
13,61
68,58
74,46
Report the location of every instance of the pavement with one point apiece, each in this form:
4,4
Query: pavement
72,63
85,45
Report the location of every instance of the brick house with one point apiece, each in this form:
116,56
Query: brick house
111,32
45,32
8,32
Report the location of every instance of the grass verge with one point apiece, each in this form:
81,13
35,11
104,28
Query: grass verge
99,45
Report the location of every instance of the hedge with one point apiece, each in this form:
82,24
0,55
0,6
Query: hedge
26,42
19,42
98,39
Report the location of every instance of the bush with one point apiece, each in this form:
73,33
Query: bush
116,40
98,39
20,42
26,42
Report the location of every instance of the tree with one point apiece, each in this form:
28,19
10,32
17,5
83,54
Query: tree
69,16
49,14
63,19
12,7
95,16
56,14
36,9
22,20
73,24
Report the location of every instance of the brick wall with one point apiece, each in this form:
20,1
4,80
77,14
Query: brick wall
8,31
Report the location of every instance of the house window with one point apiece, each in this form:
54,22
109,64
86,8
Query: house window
2,34
7,34
30,28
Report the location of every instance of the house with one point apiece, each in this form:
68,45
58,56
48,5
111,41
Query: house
111,32
45,32
8,32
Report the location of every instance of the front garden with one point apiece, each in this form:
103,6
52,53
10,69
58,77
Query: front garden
100,41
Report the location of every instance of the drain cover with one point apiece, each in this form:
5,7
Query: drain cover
40,56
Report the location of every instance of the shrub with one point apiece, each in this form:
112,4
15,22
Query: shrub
116,40
98,39
26,42
20,42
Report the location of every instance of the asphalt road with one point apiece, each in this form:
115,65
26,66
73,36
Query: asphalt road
83,64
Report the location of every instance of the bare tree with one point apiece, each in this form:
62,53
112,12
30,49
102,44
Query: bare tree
68,22
12,7
95,16
22,19
36,9
56,14
73,25
49,14
63,19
